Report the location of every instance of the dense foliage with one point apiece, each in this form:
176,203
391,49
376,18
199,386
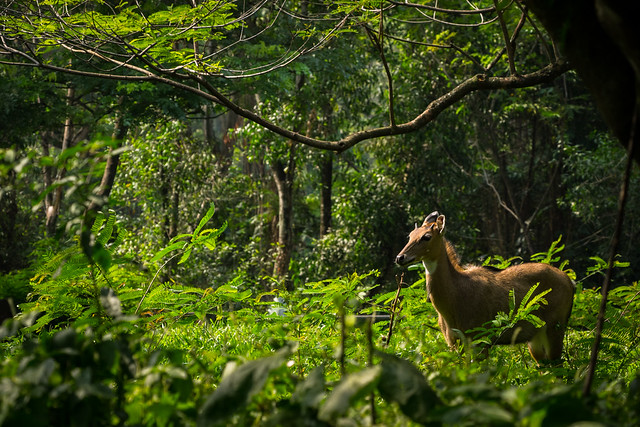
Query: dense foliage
175,251
126,349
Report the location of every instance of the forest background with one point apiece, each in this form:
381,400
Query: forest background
321,132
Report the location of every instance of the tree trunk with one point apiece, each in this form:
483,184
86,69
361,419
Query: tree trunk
283,176
174,213
207,126
170,198
106,184
326,180
9,259
113,161
173,222
53,200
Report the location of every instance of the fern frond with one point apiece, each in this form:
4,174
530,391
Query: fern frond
97,223
117,241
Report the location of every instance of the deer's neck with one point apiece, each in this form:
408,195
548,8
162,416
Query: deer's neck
443,277
430,267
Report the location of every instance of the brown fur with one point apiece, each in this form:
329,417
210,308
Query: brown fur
466,298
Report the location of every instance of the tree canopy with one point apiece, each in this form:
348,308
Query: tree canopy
206,47
201,202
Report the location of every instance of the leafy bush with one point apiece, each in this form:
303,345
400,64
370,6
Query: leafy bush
15,285
218,356
66,285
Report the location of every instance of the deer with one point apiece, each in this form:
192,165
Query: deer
468,297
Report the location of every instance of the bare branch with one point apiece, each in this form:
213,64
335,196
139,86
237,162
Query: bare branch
378,43
452,12
448,11
510,42
507,40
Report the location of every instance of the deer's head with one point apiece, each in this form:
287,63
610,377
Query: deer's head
425,242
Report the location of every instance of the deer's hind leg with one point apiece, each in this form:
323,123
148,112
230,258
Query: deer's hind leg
546,345
555,334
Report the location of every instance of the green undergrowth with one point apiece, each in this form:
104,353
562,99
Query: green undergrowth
102,342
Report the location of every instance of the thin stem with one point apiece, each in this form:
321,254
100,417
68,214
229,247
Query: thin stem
622,200
507,40
153,280
372,396
378,43
343,340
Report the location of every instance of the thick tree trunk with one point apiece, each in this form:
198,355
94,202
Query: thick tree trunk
106,184
600,39
283,176
173,221
207,126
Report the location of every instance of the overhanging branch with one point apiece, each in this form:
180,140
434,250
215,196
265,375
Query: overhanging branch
207,90
435,107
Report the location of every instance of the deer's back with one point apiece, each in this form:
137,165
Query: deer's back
483,292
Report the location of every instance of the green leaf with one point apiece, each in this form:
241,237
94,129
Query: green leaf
170,248
348,391
101,256
549,256
205,219
478,413
180,237
185,256
403,383
210,236
238,387
309,393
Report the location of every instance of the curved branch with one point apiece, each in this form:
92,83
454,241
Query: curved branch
438,105
432,110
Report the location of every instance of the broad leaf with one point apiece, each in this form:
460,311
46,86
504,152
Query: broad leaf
348,391
310,392
403,383
238,387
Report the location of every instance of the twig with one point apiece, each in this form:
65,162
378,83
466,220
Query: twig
393,309
507,39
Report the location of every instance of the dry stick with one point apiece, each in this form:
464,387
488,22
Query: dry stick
393,309
622,200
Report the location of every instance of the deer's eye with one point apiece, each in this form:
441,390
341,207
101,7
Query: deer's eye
425,238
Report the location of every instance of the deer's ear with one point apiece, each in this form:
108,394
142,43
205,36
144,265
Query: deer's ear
430,218
440,223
